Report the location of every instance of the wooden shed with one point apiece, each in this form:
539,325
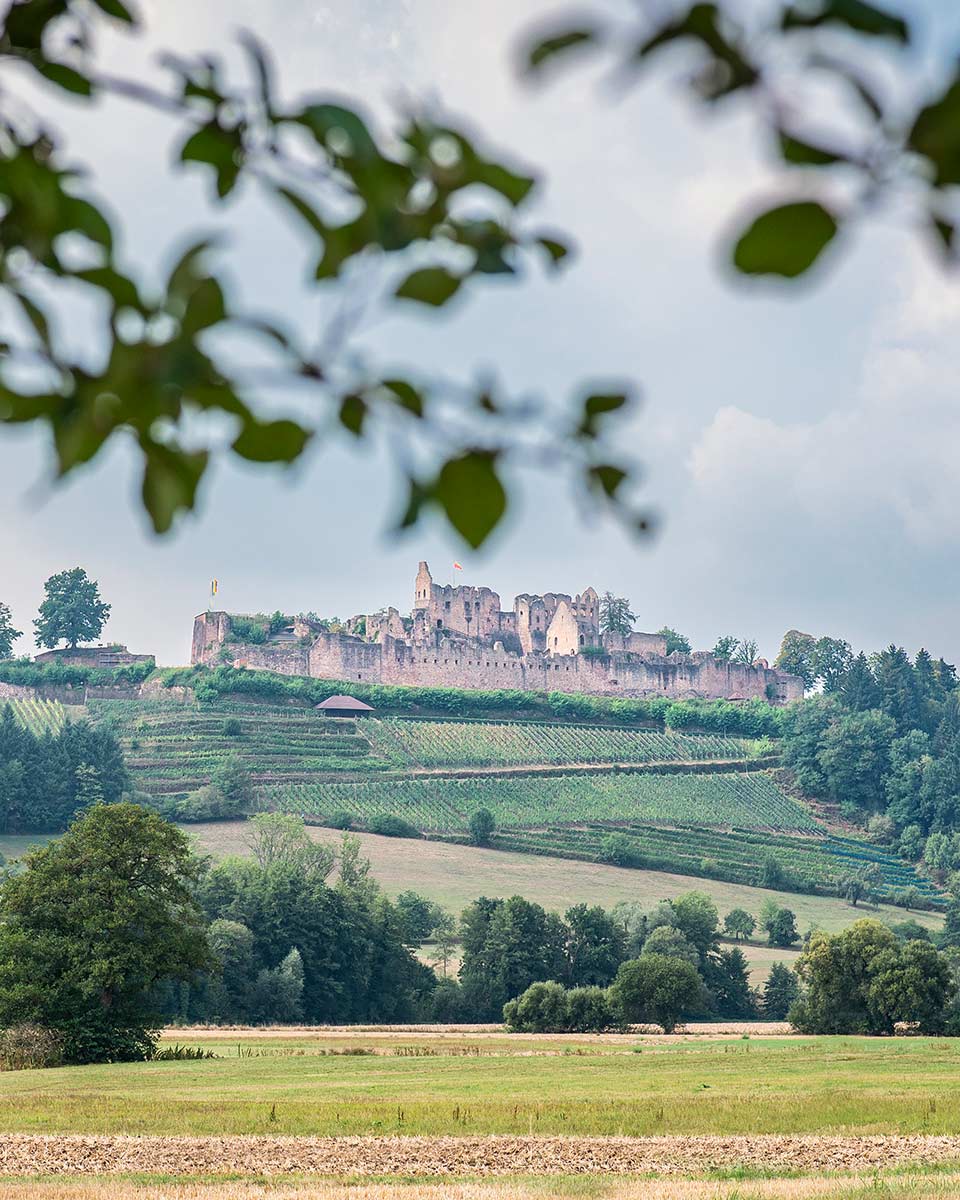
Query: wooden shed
343,706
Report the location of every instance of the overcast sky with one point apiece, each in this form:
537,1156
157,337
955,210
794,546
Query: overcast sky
800,445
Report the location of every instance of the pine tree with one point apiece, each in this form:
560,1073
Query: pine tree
860,690
780,992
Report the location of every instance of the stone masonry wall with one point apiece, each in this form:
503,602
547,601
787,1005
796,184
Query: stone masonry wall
452,662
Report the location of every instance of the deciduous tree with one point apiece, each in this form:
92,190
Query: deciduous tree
615,614
72,610
676,642
8,635
92,923
738,923
658,989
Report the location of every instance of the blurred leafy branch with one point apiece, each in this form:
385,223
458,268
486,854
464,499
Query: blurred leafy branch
361,197
813,72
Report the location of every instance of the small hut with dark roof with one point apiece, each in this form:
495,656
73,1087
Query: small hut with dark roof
343,706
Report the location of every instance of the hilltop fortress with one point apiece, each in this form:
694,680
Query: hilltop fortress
460,637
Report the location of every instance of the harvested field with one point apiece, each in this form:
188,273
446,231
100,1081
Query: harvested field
470,1156
858,1187
702,1029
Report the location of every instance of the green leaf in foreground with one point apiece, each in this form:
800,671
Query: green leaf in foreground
271,441
561,43
471,494
785,241
803,153
936,135
430,285
856,15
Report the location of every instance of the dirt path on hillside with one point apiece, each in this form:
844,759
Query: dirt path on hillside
705,766
438,1156
710,766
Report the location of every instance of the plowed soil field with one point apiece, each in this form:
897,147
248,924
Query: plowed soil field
469,1156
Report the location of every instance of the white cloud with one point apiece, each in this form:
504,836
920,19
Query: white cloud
886,460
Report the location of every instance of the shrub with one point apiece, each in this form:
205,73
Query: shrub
389,825
341,819
180,1053
592,1010
618,850
26,1047
482,826
231,727
541,1009
206,804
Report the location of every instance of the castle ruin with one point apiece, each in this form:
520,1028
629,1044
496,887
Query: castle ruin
460,637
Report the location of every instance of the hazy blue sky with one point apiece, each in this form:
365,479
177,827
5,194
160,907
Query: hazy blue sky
800,446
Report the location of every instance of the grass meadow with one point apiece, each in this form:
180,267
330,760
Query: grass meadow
469,1084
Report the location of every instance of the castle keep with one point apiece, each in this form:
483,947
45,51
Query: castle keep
460,637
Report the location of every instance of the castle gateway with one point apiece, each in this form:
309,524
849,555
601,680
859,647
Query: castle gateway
460,637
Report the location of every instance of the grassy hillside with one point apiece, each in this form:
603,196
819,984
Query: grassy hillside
702,805
453,875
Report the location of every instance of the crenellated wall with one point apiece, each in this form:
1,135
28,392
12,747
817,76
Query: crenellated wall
449,660
459,637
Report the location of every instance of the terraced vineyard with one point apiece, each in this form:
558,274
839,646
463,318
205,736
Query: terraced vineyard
39,716
690,804
725,800
482,744
737,856
172,749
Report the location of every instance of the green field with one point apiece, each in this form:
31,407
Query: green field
420,1084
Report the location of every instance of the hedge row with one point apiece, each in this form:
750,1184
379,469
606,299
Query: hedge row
755,718
25,673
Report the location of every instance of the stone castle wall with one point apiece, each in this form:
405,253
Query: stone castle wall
451,661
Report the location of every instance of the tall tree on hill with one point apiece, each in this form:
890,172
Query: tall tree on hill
72,611
615,614
725,648
677,643
798,656
899,694
746,652
8,635
860,690
832,659
855,760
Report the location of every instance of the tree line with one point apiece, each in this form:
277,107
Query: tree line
299,931
46,779
882,742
